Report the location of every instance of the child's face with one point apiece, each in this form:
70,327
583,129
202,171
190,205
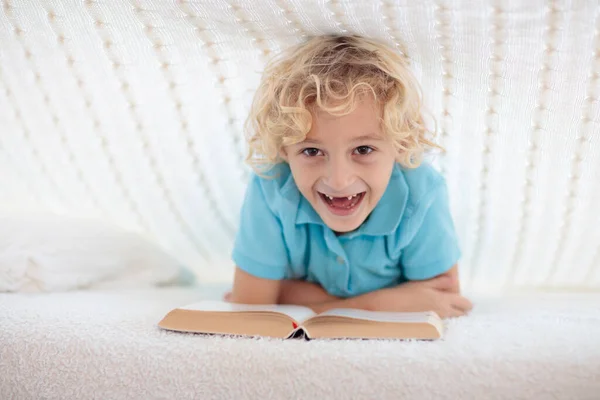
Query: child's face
344,165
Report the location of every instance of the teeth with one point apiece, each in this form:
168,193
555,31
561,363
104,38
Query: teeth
349,197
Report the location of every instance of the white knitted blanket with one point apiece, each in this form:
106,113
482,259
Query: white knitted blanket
131,111
105,345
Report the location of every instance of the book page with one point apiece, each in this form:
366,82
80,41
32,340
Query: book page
297,313
381,316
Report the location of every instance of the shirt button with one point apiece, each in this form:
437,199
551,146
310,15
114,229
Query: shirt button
340,260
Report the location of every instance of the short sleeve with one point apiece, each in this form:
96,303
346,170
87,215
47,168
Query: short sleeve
259,248
434,247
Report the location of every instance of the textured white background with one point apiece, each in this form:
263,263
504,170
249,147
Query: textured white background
132,112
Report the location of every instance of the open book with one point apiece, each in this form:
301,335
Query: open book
287,321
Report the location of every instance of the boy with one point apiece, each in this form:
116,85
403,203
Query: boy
341,212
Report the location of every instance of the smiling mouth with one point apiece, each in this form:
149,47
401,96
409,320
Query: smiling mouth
342,205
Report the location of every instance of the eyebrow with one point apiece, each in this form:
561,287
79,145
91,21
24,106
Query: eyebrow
369,136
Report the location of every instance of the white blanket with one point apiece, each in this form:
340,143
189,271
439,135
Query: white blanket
132,112
106,345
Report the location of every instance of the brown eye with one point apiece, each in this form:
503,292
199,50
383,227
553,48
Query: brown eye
311,152
363,150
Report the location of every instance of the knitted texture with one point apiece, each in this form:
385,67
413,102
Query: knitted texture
132,112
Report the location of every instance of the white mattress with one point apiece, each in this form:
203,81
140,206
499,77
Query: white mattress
106,345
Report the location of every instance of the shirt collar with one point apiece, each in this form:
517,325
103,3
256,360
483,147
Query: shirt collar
383,220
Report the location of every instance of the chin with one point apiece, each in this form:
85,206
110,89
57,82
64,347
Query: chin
336,226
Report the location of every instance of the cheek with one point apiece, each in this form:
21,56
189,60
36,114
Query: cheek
378,177
304,172
377,185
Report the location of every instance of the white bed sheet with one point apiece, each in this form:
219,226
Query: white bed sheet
105,345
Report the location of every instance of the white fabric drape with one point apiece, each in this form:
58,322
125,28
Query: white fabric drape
132,111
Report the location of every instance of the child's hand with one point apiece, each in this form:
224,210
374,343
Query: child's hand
431,295
303,293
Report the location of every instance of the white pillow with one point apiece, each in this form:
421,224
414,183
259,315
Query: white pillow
52,253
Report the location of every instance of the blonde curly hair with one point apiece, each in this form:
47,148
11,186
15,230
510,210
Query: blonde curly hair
333,72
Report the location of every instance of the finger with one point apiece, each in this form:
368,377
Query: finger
452,312
462,303
227,296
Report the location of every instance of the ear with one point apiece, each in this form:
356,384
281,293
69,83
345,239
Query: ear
283,154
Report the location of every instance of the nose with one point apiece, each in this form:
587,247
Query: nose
339,174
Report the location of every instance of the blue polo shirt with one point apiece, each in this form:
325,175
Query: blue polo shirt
409,235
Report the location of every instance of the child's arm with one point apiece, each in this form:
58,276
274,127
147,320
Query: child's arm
312,295
303,293
439,294
259,250
452,273
249,289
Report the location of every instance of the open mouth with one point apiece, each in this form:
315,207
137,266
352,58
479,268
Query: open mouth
342,205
